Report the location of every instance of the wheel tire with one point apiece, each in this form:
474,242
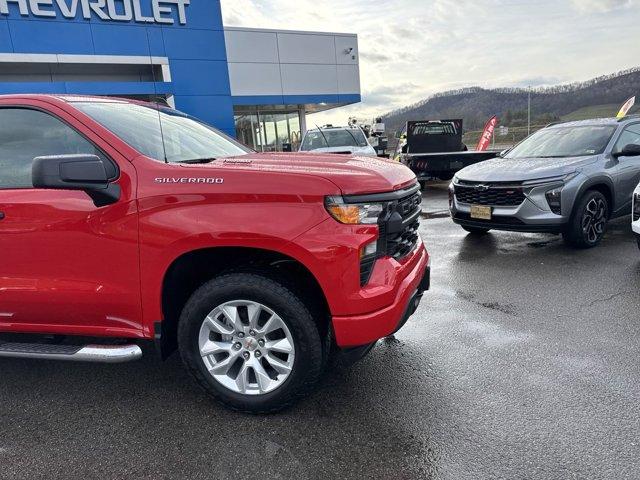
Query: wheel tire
476,230
588,222
308,359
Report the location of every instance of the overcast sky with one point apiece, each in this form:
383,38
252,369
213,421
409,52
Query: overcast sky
410,49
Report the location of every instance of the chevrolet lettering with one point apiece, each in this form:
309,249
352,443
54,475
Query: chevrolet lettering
107,10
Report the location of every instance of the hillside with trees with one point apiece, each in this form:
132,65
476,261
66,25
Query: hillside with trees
602,96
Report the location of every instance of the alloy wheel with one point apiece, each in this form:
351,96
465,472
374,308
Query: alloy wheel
246,347
594,220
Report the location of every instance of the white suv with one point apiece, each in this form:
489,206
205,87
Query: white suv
635,225
330,139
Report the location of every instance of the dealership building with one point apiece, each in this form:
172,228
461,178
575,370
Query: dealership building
255,84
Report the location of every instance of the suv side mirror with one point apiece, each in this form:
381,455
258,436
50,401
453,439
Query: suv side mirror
75,172
631,150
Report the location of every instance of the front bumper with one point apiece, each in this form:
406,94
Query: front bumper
356,330
512,224
532,215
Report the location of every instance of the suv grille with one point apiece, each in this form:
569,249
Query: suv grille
493,195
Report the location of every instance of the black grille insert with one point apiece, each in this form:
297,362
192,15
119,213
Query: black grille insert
401,244
492,195
399,234
636,207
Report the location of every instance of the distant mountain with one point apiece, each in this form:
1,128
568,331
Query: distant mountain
475,105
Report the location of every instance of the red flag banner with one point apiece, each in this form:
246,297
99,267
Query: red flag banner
485,139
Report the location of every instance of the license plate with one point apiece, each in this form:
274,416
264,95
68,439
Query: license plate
480,212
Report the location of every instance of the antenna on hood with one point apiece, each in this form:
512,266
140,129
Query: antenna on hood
155,98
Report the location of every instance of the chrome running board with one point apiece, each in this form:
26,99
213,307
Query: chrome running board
72,353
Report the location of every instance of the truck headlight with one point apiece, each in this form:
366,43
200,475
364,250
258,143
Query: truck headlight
554,199
354,213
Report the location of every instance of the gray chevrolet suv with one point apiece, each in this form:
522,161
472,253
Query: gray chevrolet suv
568,178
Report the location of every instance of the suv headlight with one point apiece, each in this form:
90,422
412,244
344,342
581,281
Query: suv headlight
354,213
554,194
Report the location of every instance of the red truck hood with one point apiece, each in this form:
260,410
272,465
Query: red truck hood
353,175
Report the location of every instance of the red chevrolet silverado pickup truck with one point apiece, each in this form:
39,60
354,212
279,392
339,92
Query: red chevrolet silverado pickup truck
123,222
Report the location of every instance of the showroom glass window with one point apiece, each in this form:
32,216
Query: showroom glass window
26,134
268,131
630,135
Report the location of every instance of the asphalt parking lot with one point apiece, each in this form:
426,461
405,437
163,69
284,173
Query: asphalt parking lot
521,363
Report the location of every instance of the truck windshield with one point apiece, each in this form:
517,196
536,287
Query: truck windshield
558,142
334,138
162,133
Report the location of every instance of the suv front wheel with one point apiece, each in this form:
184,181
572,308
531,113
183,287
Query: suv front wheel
250,342
588,223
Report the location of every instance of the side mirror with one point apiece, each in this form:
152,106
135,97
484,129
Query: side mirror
75,172
398,134
631,150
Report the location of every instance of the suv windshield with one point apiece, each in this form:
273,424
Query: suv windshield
564,142
352,137
162,133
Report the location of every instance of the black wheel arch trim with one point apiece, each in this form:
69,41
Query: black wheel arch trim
590,184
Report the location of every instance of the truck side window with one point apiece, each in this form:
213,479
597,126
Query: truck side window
26,134
630,135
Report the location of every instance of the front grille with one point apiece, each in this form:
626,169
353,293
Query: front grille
636,207
398,227
491,195
399,235
409,205
402,244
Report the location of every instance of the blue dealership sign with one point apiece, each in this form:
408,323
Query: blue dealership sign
187,33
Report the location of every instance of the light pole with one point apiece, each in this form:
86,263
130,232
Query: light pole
529,112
